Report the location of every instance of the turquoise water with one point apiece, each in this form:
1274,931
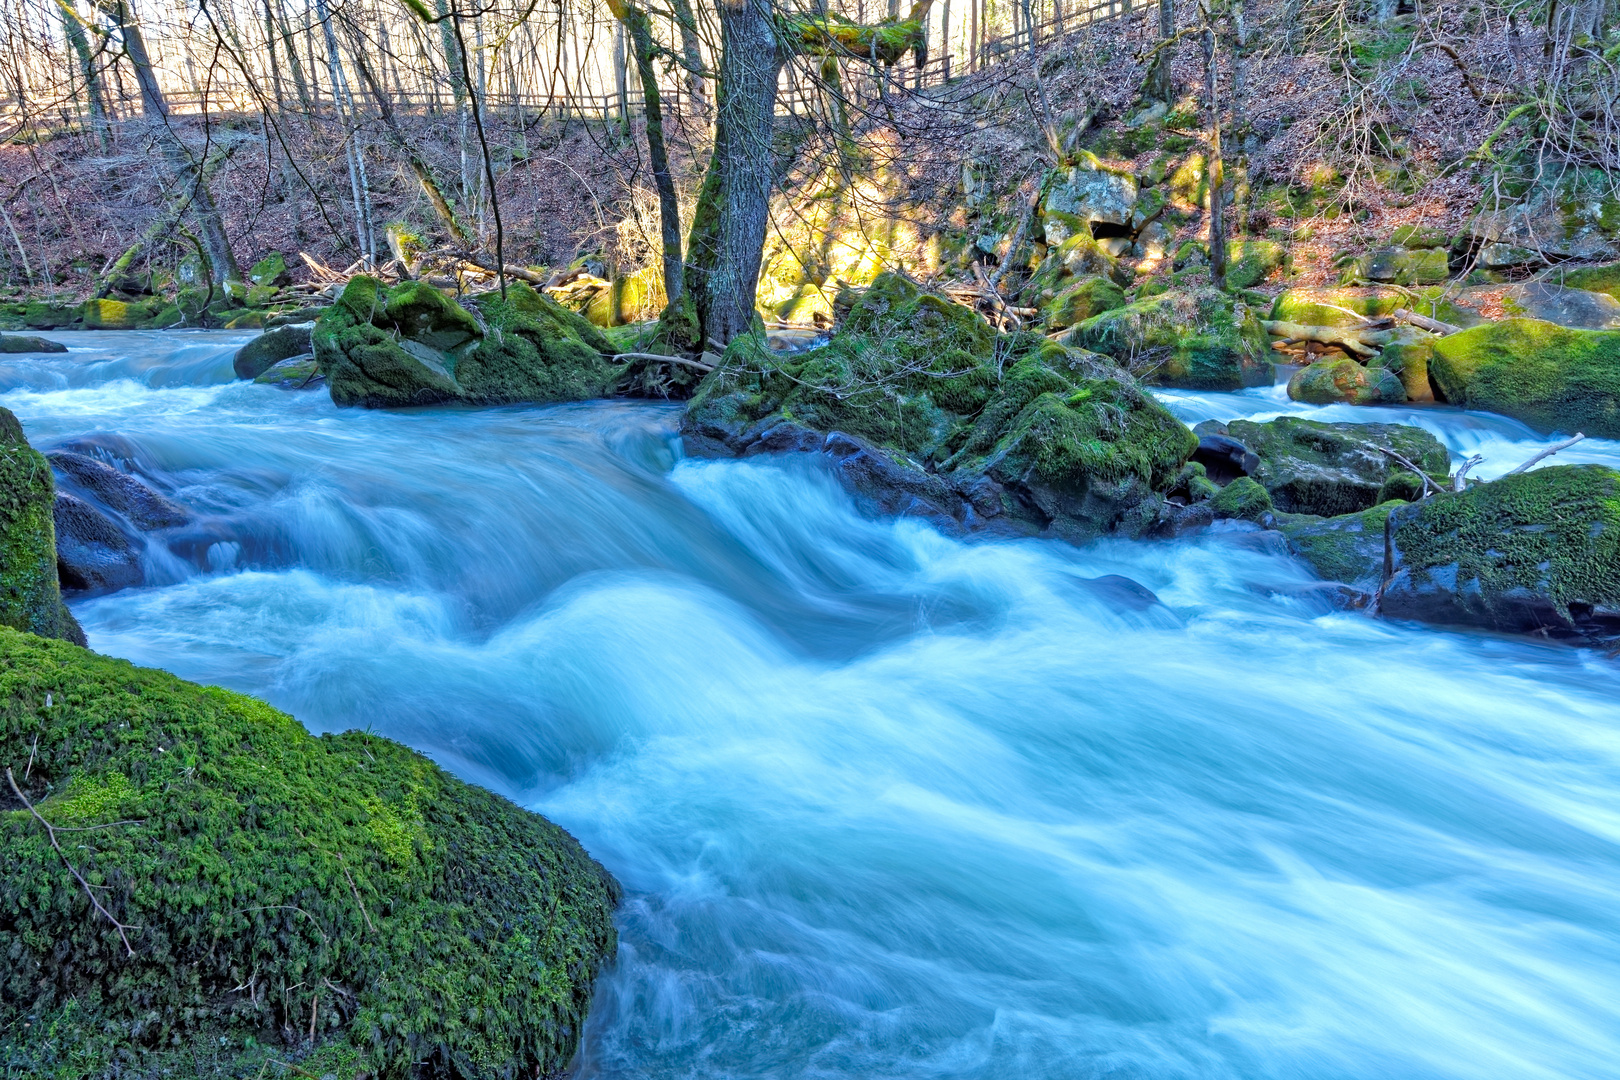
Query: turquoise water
886,803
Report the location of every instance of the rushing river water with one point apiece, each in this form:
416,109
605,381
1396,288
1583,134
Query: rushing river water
886,803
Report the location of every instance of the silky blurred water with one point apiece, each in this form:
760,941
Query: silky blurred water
886,803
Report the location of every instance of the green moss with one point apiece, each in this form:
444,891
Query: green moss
1332,381
1603,279
1347,548
1551,377
42,316
536,350
1311,467
1552,533
1082,300
278,881
1243,498
30,598
114,315
1252,261
269,271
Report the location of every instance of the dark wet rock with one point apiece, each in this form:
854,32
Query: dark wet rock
1348,548
119,491
1310,467
30,595
27,343
1549,376
925,410
1536,552
92,552
1120,593
294,373
272,347
1224,458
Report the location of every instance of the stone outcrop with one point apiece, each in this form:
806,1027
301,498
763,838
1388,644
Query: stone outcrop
30,596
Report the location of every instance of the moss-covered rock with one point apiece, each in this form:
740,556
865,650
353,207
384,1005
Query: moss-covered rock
1551,377
1408,358
1342,306
1535,551
272,347
1402,266
275,885
270,271
30,595
118,315
413,345
1183,337
1600,279
1080,301
1341,380
1310,467
1347,548
295,373
1249,262
38,315
1244,498
26,343
972,425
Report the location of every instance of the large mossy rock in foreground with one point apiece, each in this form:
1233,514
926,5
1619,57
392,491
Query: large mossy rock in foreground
30,594
1197,339
412,345
1539,551
275,885
927,410
1551,377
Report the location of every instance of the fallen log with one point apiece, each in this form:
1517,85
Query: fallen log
661,358
1358,341
1423,322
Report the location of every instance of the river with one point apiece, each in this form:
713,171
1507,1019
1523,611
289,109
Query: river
888,803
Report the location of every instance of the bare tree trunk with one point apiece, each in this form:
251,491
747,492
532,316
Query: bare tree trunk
1240,71
95,101
358,187
729,232
1160,82
222,261
1217,177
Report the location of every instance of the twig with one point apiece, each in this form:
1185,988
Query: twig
1428,481
1547,453
50,832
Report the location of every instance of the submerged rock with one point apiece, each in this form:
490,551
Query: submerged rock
1196,339
30,597
271,347
413,345
119,491
92,552
925,409
1539,551
341,901
1551,377
1310,467
295,373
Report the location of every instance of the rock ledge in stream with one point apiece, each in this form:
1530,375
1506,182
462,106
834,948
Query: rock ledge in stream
411,344
924,409
275,885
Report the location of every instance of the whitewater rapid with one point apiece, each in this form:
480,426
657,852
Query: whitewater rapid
887,803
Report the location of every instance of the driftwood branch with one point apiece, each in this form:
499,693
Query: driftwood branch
1428,481
50,833
1358,341
1458,482
1423,322
662,359
1547,453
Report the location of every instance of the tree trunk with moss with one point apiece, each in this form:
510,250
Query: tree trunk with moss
728,230
639,28
95,100
1217,171
222,261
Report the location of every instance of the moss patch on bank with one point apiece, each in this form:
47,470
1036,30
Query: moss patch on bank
339,901
30,596
1551,377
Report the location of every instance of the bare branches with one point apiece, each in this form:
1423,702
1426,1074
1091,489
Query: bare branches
1547,453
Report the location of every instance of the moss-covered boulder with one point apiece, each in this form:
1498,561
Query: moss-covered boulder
1080,301
920,396
1341,380
1599,279
294,373
120,315
30,595
412,345
1311,467
1408,358
1402,266
270,271
271,348
1348,548
1198,339
1539,551
339,902
1551,377
1252,261
27,343
1348,306
38,315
